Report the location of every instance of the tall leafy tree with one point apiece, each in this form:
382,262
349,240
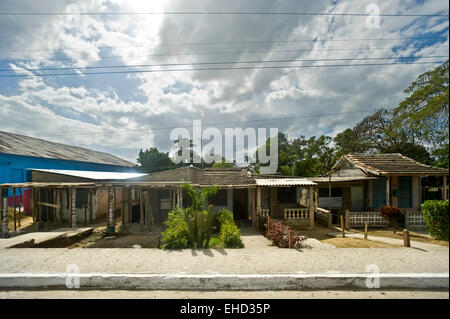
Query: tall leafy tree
426,112
152,160
426,107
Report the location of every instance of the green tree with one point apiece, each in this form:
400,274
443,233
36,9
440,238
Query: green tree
425,111
426,107
348,142
152,160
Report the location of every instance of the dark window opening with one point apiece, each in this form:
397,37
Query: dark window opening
335,192
220,199
286,195
81,198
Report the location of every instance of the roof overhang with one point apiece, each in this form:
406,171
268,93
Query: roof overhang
284,182
93,175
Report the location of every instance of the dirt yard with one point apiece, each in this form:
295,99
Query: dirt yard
357,243
399,235
123,239
320,233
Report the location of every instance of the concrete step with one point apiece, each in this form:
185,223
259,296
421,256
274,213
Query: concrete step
40,238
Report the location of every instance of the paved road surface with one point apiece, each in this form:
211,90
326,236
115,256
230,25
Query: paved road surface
110,294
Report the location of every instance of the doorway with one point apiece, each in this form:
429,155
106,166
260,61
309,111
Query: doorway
240,204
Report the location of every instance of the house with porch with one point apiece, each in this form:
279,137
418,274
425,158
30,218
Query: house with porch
359,184
75,198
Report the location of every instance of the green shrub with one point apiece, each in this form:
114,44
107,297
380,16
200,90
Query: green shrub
176,234
231,236
435,213
225,216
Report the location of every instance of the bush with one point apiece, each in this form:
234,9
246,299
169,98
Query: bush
435,213
176,234
278,233
224,216
230,235
392,214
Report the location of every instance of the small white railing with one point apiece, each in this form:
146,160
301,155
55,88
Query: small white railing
358,219
415,220
297,213
264,212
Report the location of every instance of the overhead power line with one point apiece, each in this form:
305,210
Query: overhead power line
208,53
228,62
227,43
217,123
246,13
217,69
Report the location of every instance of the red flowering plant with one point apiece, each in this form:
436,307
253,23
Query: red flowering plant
278,233
392,214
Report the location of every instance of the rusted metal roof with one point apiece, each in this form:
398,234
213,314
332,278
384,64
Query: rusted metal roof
284,182
94,175
17,144
392,164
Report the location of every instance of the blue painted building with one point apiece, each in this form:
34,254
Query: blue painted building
19,153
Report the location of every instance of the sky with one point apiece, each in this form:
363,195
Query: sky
123,112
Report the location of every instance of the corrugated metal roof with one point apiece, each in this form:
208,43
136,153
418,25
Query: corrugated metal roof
93,174
284,182
29,146
341,179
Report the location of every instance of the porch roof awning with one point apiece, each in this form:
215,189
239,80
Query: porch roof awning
94,175
284,182
342,179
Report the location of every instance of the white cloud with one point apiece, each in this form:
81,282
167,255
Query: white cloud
65,108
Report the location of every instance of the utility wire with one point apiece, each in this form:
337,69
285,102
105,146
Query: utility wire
207,53
218,13
216,69
228,62
227,43
217,124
